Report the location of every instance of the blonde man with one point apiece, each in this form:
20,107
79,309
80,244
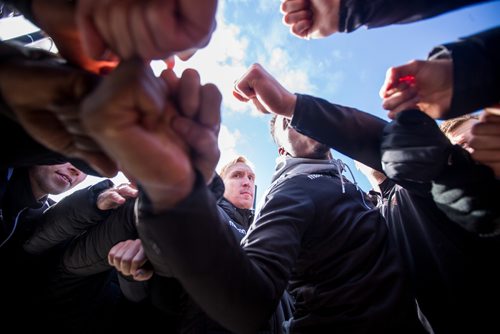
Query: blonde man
239,183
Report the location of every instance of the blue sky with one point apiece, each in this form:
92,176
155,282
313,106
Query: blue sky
346,69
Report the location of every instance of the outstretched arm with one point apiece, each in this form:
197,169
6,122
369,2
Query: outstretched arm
332,124
459,78
321,18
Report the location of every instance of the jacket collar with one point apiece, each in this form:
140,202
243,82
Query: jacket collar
288,166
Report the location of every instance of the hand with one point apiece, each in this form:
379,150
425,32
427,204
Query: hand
132,103
429,88
266,93
414,148
199,122
150,29
485,140
128,258
57,19
311,18
45,98
114,197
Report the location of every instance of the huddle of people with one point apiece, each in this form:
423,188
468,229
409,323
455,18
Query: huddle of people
186,249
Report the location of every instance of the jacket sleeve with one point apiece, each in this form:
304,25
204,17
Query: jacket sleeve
468,194
238,287
88,253
379,13
69,218
347,130
135,291
476,69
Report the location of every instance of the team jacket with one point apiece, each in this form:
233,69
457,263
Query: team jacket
333,253
453,268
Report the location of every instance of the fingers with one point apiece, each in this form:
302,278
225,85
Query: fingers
139,30
121,34
301,29
152,99
294,18
490,115
240,97
187,54
209,114
394,74
189,93
127,256
401,100
290,6
92,40
485,142
406,105
202,140
127,190
114,197
109,199
297,14
201,134
101,20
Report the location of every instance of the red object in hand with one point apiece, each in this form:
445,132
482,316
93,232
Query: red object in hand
408,79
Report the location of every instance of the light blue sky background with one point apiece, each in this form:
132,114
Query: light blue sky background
346,69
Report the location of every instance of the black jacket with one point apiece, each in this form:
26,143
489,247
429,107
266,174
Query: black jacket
454,270
325,245
379,13
476,69
167,293
244,217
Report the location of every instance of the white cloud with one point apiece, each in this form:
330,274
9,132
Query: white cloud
228,142
266,6
222,62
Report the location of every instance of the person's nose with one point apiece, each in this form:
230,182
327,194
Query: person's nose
74,171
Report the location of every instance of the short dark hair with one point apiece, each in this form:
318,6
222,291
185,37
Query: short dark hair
272,124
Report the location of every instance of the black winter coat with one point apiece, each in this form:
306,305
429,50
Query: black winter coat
324,245
453,269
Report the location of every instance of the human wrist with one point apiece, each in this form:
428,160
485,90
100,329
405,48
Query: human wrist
164,197
290,102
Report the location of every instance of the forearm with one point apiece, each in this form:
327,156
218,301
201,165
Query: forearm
476,70
350,131
88,254
191,244
69,218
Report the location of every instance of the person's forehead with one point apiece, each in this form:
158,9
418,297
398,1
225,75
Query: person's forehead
240,167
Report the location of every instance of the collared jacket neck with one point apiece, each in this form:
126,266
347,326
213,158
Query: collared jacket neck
289,166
